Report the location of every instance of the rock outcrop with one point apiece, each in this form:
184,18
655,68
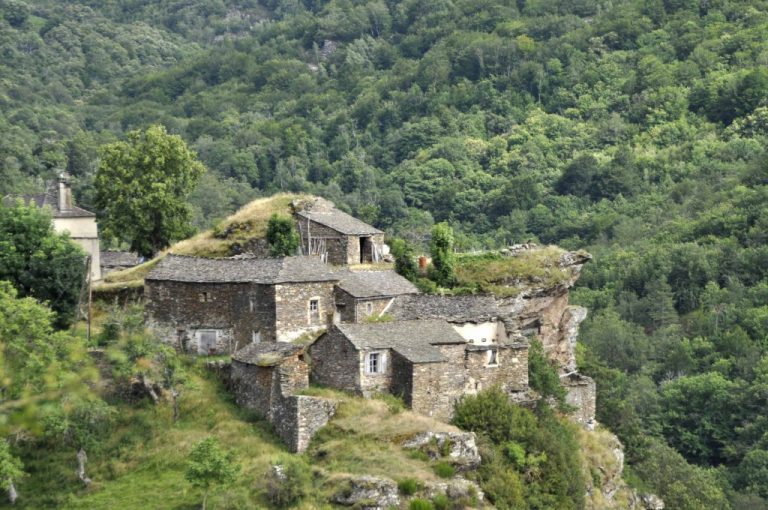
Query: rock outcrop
368,493
460,448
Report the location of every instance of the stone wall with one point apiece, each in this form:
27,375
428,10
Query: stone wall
177,310
336,244
354,310
582,394
292,312
298,418
335,362
510,372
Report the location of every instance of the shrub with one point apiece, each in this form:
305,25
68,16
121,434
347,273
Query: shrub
421,504
408,486
441,502
289,482
444,469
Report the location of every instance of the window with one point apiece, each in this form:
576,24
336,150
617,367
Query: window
314,309
256,337
374,363
493,358
251,304
369,308
206,297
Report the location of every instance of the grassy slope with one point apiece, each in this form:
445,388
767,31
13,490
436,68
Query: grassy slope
250,222
141,465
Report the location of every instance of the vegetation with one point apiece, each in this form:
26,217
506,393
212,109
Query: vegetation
529,460
282,236
142,187
210,466
635,129
39,262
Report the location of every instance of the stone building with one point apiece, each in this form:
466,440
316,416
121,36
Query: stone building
212,306
118,260
339,238
426,362
67,217
475,317
369,294
265,378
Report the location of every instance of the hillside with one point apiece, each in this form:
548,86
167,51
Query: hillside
633,129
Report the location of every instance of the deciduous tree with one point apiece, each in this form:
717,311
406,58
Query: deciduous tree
141,188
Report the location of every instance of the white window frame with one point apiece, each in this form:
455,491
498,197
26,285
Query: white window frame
380,358
206,297
313,314
256,337
369,308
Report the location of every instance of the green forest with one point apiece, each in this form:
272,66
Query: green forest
633,129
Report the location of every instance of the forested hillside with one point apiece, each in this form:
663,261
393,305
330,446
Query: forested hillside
634,129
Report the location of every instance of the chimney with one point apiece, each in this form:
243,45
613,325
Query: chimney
65,192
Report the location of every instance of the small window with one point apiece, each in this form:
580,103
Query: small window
314,309
206,297
374,363
256,337
493,358
369,308
251,305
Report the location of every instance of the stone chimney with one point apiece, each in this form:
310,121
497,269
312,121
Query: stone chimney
65,192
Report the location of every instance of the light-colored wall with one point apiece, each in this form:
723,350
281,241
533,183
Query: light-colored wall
84,232
491,331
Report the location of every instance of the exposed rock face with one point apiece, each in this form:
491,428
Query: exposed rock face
459,447
458,488
368,493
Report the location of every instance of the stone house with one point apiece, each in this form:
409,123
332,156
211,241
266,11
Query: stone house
363,294
426,362
265,378
67,217
339,238
212,306
118,260
475,317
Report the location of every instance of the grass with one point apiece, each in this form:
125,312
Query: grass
142,462
250,222
509,275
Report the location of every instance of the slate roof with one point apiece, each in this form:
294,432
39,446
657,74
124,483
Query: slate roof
414,340
119,259
366,284
49,199
470,308
179,268
266,354
340,222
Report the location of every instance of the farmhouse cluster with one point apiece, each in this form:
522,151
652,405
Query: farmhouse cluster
316,317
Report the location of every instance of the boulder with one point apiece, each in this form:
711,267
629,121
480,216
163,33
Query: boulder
368,493
458,447
456,488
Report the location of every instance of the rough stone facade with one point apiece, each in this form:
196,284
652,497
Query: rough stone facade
265,379
339,249
183,311
294,312
352,309
582,394
430,387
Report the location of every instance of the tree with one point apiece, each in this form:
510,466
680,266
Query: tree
441,249
209,465
542,374
141,188
282,236
405,265
39,262
11,469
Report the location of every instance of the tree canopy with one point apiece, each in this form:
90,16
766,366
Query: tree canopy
142,186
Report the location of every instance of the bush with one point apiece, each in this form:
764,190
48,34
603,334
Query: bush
408,486
421,504
441,502
444,470
290,480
